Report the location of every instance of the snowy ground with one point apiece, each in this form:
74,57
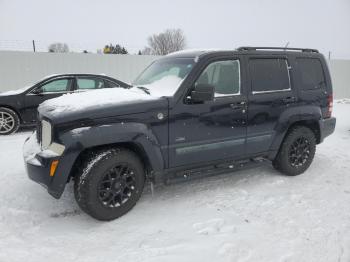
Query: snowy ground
251,215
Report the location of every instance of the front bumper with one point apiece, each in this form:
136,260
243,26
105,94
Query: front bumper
38,171
38,163
327,127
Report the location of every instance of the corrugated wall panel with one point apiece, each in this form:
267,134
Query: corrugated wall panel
18,69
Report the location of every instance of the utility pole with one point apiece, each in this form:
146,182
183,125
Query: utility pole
285,47
329,55
34,46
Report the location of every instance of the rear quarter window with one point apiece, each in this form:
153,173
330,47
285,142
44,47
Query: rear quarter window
110,84
311,74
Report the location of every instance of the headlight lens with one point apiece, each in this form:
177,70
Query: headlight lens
46,134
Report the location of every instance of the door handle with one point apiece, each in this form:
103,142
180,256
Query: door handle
288,100
238,106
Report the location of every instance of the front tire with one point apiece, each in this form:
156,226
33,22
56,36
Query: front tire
296,152
110,183
9,121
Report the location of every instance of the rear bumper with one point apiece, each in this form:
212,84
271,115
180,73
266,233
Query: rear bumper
327,127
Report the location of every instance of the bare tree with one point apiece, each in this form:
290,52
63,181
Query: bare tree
58,48
146,51
171,40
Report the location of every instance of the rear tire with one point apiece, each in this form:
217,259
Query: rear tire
110,183
296,152
9,121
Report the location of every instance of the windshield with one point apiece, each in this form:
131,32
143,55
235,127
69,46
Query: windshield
163,77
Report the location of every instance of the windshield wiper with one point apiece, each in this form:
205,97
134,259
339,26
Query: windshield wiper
144,89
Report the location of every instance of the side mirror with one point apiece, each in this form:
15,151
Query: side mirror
202,93
37,91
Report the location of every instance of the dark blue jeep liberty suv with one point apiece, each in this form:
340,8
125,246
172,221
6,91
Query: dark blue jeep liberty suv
189,114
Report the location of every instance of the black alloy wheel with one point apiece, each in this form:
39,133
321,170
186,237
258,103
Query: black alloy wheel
117,186
299,152
296,151
109,183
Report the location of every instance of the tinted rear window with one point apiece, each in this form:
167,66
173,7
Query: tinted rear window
311,73
269,74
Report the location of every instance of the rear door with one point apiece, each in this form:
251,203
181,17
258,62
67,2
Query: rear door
270,94
314,89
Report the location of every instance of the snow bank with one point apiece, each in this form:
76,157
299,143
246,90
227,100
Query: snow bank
249,215
343,101
93,98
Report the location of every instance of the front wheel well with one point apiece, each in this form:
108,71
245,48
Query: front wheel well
311,124
134,147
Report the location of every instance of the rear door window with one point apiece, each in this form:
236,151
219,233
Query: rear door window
84,83
269,75
311,73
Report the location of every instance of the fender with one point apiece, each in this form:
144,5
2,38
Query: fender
291,116
79,139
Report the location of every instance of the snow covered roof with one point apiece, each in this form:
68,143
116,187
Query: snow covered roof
193,52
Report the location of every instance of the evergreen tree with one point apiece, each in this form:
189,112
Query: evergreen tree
117,49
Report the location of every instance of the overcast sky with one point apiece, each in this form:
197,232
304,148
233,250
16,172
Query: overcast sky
90,24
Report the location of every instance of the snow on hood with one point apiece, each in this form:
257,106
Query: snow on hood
165,86
92,99
15,92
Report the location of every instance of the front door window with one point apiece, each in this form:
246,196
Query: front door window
60,85
224,76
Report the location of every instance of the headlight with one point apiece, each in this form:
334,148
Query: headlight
46,134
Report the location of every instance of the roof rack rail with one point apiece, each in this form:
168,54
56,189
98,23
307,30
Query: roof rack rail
254,48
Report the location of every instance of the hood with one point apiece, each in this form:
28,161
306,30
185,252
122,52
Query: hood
98,104
15,92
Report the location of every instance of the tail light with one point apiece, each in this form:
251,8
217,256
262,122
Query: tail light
329,106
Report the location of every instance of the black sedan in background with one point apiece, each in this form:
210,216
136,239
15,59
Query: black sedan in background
19,107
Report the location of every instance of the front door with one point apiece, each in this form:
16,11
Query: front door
48,90
213,130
